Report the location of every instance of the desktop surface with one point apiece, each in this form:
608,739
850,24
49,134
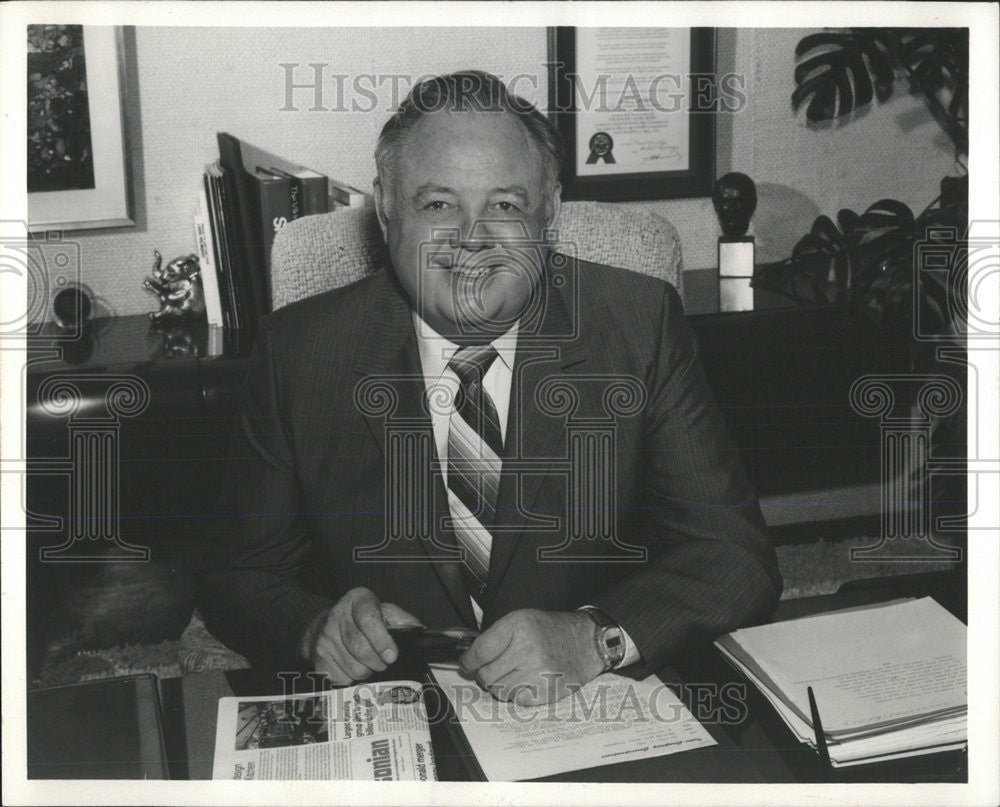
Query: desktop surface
130,728
106,729
754,747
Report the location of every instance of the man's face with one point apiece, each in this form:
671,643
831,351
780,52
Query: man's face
463,211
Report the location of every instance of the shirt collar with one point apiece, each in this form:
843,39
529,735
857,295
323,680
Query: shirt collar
436,351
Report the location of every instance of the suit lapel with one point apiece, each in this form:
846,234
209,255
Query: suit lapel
390,385
545,349
387,365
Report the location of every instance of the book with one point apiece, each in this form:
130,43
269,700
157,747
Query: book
251,177
308,191
294,200
218,241
273,206
313,184
247,276
889,681
232,307
346,195
248,240
294,195
611,719
373,731
204,241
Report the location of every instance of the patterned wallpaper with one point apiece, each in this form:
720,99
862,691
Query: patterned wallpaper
193,82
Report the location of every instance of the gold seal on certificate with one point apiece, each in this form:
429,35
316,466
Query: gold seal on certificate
601,145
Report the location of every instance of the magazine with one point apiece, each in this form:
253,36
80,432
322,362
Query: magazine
375,732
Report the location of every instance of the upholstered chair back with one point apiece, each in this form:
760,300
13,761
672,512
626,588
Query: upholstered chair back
318,253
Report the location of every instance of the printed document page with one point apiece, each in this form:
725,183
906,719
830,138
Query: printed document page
612,719
868,668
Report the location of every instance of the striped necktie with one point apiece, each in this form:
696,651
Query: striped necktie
475,445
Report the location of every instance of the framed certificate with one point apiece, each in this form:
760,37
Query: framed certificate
636,109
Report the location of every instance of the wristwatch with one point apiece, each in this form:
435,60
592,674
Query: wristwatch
608,638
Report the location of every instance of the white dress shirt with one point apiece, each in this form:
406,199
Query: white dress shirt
442,384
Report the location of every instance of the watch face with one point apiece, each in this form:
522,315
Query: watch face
614,644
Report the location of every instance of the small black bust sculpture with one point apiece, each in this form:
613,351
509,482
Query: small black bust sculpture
735,199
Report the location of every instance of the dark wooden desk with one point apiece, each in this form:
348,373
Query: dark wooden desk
193,702
770,744
106,729
753,744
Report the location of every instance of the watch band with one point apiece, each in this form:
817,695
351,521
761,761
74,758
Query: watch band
608,638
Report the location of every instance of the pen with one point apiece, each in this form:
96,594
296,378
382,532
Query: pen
821,748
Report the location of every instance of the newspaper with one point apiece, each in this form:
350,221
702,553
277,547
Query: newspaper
375,732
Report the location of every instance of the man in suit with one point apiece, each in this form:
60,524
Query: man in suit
485,434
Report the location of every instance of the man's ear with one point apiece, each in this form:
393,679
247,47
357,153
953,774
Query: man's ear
553,204
381,206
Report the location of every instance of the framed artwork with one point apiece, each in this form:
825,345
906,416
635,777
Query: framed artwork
79,172
636,108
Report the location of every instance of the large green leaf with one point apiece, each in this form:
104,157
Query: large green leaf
872,260
839,72
829,256
937,63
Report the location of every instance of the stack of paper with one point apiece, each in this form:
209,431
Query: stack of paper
889,681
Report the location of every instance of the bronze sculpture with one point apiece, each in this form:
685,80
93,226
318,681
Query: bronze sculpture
178,285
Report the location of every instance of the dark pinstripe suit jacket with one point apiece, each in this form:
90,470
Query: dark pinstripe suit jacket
621,488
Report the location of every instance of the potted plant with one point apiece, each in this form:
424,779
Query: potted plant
868,259
874,260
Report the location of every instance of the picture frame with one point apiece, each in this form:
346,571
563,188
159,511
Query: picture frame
96,192
599,77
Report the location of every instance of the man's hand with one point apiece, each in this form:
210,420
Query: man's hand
534,657
349,641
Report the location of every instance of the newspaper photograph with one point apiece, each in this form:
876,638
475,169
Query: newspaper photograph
375,732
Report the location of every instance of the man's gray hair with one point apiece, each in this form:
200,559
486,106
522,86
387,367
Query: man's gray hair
468,91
